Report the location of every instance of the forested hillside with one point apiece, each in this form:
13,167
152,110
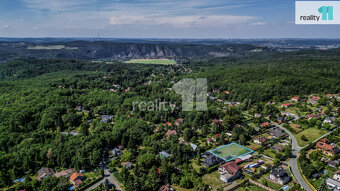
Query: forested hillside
39,99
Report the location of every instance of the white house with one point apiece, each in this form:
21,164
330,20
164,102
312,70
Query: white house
336,176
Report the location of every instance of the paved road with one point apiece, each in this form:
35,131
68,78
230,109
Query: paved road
294,162
109,177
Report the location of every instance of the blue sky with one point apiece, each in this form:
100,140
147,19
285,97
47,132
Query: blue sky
156,19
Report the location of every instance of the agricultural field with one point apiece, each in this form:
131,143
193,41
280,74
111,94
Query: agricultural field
152,61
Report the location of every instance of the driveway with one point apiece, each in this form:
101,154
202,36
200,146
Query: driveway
107,176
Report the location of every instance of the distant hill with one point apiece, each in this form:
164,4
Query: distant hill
122,51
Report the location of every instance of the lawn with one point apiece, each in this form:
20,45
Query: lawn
176,187
213,180
311,134
152,61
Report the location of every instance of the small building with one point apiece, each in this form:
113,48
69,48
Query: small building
65,173
279,176
77,178
116,153
127,165
212,160
276,132
106,118
329,120
310,116
336,176
260,140
193,146
265,124
164,154
278,148
171,133
179,121
295,99
229,172
329,149
333,163
332,184
45,172
166,188
286,105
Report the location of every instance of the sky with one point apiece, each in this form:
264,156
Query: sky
156,19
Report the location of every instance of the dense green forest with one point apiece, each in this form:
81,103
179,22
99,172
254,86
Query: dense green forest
38,100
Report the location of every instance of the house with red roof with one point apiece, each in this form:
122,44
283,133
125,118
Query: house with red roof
229,172
167,124
286,104
216,122
179,121
76,179
295,99
329,149
171,133
265,124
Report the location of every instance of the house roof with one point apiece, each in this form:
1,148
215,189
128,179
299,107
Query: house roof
278,147
286,104
265,124
280,172
171,132
75,176
261,139
77,182
323,144
332,182
165,154
231,167
45,170
67,172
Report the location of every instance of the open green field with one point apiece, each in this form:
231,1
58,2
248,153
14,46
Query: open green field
311,134
231,151
152,61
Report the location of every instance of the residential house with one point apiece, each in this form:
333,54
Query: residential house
265,124
106,118
229,172
329,149
210,140
164,154
329,120
76,179
257,115
260,140
45,172
330,96
286,105
127,165
116,153
279,176
65,173
212,160
295,99
171,133
167,124
79,108
166,188
179,121
276,132
332,184
310,116
216,122
336,176
278,148
333,163
193,146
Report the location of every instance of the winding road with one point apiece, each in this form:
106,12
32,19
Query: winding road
293,162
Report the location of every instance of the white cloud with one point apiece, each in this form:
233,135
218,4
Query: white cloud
258,23
5,26
182,21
